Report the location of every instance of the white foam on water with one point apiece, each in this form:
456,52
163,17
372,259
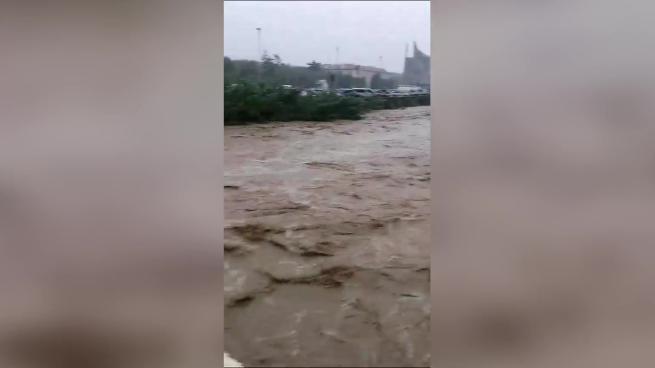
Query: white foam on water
228,361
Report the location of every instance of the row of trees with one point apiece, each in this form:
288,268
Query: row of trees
252,103
272,71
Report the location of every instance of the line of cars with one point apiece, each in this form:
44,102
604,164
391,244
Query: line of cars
368,92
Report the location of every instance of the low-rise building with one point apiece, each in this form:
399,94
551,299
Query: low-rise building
361,71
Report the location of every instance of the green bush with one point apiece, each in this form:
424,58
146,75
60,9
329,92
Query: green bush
251,103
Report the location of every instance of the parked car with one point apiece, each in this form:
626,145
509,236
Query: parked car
383,92
397,93
363,92
313,92
343,91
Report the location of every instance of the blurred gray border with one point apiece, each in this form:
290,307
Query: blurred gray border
433,138
220,152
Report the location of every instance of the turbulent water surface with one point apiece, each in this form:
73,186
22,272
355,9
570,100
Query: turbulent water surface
327,241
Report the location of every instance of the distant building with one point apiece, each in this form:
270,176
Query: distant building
417,69
322,84
361,71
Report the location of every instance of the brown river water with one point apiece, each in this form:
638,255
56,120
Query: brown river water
327,241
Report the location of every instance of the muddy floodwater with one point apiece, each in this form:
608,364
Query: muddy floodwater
327,241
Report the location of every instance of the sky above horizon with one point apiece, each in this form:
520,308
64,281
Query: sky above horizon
302,31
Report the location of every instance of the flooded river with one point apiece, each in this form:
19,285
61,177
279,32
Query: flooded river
327,241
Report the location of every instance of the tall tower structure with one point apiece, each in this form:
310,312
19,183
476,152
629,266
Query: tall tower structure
417,68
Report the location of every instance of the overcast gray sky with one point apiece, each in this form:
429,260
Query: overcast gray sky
302,31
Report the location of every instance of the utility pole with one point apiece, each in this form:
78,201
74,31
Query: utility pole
259,43
259,55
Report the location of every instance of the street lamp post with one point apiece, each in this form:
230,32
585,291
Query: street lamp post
259,43
259,54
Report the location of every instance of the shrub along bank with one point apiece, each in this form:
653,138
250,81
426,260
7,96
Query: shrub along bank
250,103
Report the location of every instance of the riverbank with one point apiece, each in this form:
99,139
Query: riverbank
248,103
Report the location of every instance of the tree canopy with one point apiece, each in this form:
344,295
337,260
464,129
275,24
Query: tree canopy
271,70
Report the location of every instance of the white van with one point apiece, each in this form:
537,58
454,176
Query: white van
409,89
363,92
